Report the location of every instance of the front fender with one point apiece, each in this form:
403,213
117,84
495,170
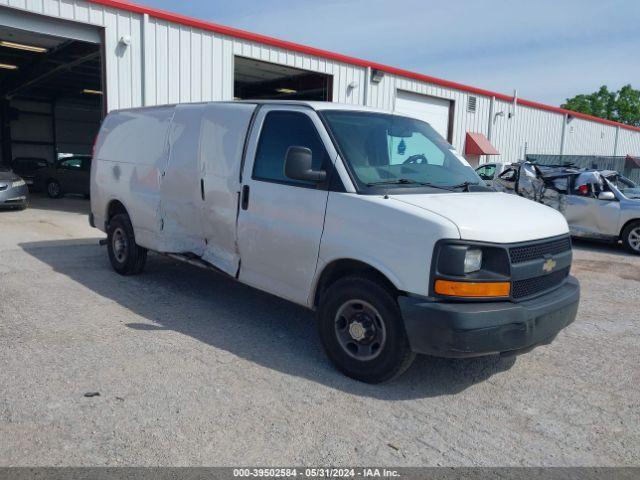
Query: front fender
395,238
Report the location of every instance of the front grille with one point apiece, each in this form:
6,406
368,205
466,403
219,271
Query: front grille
539,250
532,286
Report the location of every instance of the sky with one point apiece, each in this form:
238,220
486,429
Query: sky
548,50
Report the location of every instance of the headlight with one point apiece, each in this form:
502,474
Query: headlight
18,183
470,270
472,260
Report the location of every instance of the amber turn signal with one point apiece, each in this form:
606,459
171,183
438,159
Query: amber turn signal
472,289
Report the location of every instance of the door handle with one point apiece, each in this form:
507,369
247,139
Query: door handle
245,197
202,188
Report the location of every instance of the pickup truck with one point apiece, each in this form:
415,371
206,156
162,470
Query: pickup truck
368,218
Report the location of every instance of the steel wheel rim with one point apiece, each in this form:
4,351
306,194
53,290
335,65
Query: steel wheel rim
54,189
360,330
634,239
120,245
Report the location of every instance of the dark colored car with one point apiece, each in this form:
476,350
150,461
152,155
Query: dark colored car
14,192
29,168
69,175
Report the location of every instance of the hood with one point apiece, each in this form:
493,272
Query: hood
6,176
492,217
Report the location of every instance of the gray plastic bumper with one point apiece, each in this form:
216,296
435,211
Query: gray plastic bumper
476,329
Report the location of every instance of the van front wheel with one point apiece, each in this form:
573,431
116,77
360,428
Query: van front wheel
127,258
362,332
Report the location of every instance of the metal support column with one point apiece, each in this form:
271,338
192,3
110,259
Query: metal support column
7,154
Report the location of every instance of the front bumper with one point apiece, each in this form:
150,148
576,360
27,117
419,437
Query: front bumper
459,330
14,197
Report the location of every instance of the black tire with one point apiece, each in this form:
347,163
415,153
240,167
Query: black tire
54,189
360,359
631,237
127,258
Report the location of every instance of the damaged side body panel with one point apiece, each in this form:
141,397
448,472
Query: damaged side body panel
589,199
180,204
530,181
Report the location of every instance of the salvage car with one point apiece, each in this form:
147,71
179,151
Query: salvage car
371,219
598,204
14,192
68,175
29,169
489,171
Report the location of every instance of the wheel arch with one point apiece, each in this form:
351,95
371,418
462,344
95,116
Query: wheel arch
115,207
624,227
344,267
49,179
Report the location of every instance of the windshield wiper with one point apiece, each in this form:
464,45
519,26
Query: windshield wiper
464,185
408,181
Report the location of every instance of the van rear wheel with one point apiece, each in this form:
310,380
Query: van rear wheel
126,256
362,331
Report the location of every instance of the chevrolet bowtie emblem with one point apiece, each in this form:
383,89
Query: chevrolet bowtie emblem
549,265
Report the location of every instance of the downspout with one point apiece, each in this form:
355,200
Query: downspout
143,56
492,107
615,145
563,138
366,87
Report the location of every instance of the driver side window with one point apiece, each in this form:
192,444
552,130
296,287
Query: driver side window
281,130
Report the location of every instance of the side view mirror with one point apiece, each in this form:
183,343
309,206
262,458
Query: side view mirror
297,166
607,196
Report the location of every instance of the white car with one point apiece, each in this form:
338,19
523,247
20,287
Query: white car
368,218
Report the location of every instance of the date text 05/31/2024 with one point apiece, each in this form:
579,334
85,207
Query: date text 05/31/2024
316,472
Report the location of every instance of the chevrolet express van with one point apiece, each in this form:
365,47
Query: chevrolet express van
369,218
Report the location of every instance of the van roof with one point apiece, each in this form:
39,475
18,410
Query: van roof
315,105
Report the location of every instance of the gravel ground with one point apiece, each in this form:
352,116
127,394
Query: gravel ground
195,369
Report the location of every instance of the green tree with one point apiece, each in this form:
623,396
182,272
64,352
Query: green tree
621,106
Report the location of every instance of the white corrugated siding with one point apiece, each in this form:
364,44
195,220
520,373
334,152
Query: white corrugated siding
529,130
187,65
184,64
589,138
628,142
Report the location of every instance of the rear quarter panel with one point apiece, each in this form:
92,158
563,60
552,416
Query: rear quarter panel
130,158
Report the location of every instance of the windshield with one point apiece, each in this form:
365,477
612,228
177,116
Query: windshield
626,186
397,152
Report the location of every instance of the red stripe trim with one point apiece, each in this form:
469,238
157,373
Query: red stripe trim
255,37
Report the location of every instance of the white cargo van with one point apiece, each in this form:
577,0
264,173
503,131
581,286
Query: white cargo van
368,218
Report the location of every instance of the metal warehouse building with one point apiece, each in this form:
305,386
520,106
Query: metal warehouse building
65,63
